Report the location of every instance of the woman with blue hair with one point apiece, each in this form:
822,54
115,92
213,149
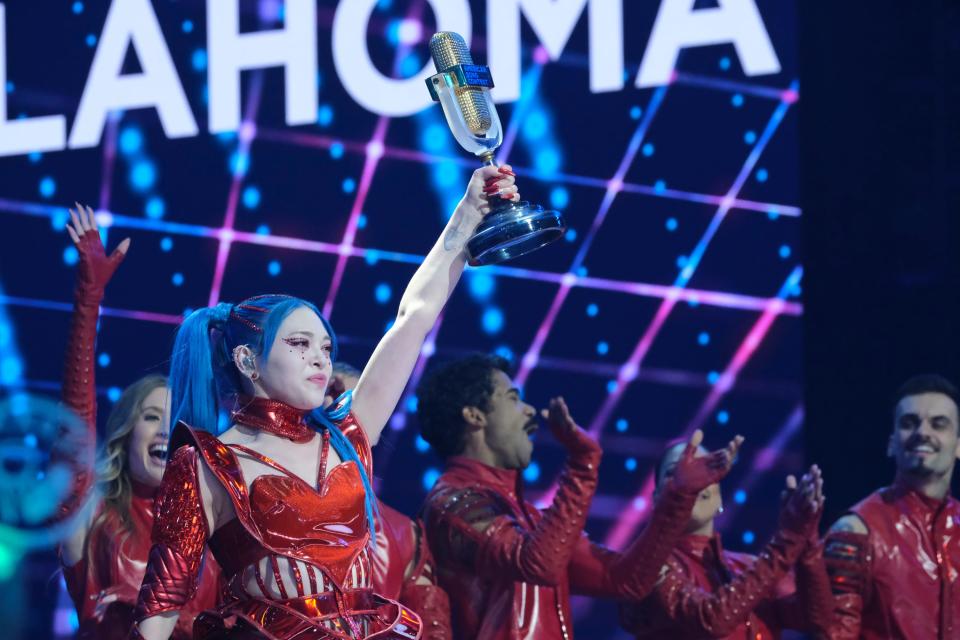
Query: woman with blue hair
282,496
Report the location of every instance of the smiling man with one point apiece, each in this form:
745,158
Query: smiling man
508,567
893,558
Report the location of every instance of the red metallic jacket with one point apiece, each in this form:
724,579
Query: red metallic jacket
509,568
708,592
322,533
105,583
403,571
899,581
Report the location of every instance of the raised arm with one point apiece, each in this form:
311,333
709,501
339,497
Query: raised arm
386,374
94,271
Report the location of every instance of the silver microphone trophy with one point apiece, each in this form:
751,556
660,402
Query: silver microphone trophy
463,90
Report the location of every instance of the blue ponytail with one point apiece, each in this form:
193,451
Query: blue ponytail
193,385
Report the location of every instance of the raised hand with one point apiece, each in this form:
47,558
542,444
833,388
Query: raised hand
693,474
564,428
801,504
95,267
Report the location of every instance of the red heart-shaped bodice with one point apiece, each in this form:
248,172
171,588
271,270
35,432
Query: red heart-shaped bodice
326,528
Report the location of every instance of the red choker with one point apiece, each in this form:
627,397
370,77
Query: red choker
274,417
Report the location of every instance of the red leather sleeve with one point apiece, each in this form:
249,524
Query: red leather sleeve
476,528
600,572
428,600
719,613
179,536
847,560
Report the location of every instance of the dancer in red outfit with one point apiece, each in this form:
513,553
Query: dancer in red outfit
104,559
894,559
708,592
402,562
283,496
509,568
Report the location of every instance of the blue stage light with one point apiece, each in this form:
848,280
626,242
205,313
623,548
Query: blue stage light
482,284
592,310
703,339
659,186
750,137
434,138
421,445
535,125
410,66
559,197
113,394
239,163
723,417
724,63
143,175
430,477
131,140
273,267
622,425
336,150
648,149
412,404
372,257
532,472
612,386
177,279
187,26
362,221
784,251
251,197
446,174
263,230
762,175
70,256
603,348
736,100
570,235
166,244
103,359
630,464
547,160
382,293
740,496
35,157
672,224
504,352
349,185
91,40
325,115
48,187
77,7
492,320
713,377
11,370
748,537
635,112
199,60
155,207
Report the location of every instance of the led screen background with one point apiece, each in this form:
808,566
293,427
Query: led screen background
673,302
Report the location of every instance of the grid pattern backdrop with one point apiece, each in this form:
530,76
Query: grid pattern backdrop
672,303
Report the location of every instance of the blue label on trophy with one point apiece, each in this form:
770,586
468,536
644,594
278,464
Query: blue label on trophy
473,75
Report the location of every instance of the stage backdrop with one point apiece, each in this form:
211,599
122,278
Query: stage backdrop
251,147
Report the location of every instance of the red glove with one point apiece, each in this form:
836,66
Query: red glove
694,474
93,273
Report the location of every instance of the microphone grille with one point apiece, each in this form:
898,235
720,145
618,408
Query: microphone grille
449,49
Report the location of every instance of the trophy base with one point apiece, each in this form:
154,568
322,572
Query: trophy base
513,231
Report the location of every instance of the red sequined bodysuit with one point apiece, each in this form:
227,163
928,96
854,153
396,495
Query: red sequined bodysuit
403,570
321,535
105,582
900,580
708,592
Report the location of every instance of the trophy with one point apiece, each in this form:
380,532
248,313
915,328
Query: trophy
463,90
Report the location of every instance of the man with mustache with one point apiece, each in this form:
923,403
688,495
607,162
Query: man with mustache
893,559
508,567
